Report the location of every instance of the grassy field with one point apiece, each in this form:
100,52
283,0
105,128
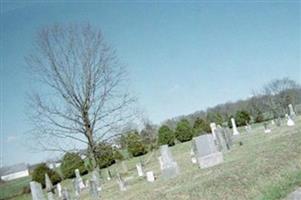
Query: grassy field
265,167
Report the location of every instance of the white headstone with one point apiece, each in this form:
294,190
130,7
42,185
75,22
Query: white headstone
290,121
59,189
291,111
235,131
213,128
160,162
79,180
121,183
36,191
140,169
48,183
194,160
150,176
96,179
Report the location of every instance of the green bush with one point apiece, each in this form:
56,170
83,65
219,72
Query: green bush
183,131
104,155
117,155
71,162
135,145
166,136
39,172
242,117
201,126
259,117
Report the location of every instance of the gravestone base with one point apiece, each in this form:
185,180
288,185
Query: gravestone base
170,171
296,195
210,160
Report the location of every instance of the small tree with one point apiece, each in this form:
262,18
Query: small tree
39,172
71,162
104,155
183,131
242,117
201,126
135,145
166,136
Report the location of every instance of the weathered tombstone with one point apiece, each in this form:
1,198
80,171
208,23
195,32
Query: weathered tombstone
170,168
160,162
278,121
76,187
290,121
79,179
59,189
273,122
96,179
36,191
194,160
140,169
206,152
121,183
94,192
150,176
235,131
292,113
50,196
48,183
228,137
221,140
124,167
296,195
213,128
65,194
266,128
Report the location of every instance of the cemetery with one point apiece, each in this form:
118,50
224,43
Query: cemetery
264,164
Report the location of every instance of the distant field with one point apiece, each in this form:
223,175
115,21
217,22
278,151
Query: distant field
13,188
265,167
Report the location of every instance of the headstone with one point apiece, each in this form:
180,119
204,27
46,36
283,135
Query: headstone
48,183
150,176
36,191
160,162
59,189
291,111
273,122
213,128
290,121
194,160
76,187
139,169
121,183
296,195
221,140
50,196
278,121
109,177
65,194
266,128
124,167
169,168
235,131
206,152
96,179
94,192
79,179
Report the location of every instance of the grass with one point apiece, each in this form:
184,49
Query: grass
265,167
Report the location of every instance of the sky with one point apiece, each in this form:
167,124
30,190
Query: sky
181,57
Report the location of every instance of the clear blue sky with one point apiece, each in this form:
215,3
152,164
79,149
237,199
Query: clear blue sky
182,57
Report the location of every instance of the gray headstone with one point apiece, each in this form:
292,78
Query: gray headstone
109,177
79,179
65,194
59,189
235,131
291,111
266,128
50,196
36,191
48,183
206,151
76,187
96,179
94,192
221,140
169,167
296,195
121,183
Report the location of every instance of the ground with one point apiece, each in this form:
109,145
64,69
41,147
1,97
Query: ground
265,167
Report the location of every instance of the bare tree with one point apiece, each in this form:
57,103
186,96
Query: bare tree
278,93
83,97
